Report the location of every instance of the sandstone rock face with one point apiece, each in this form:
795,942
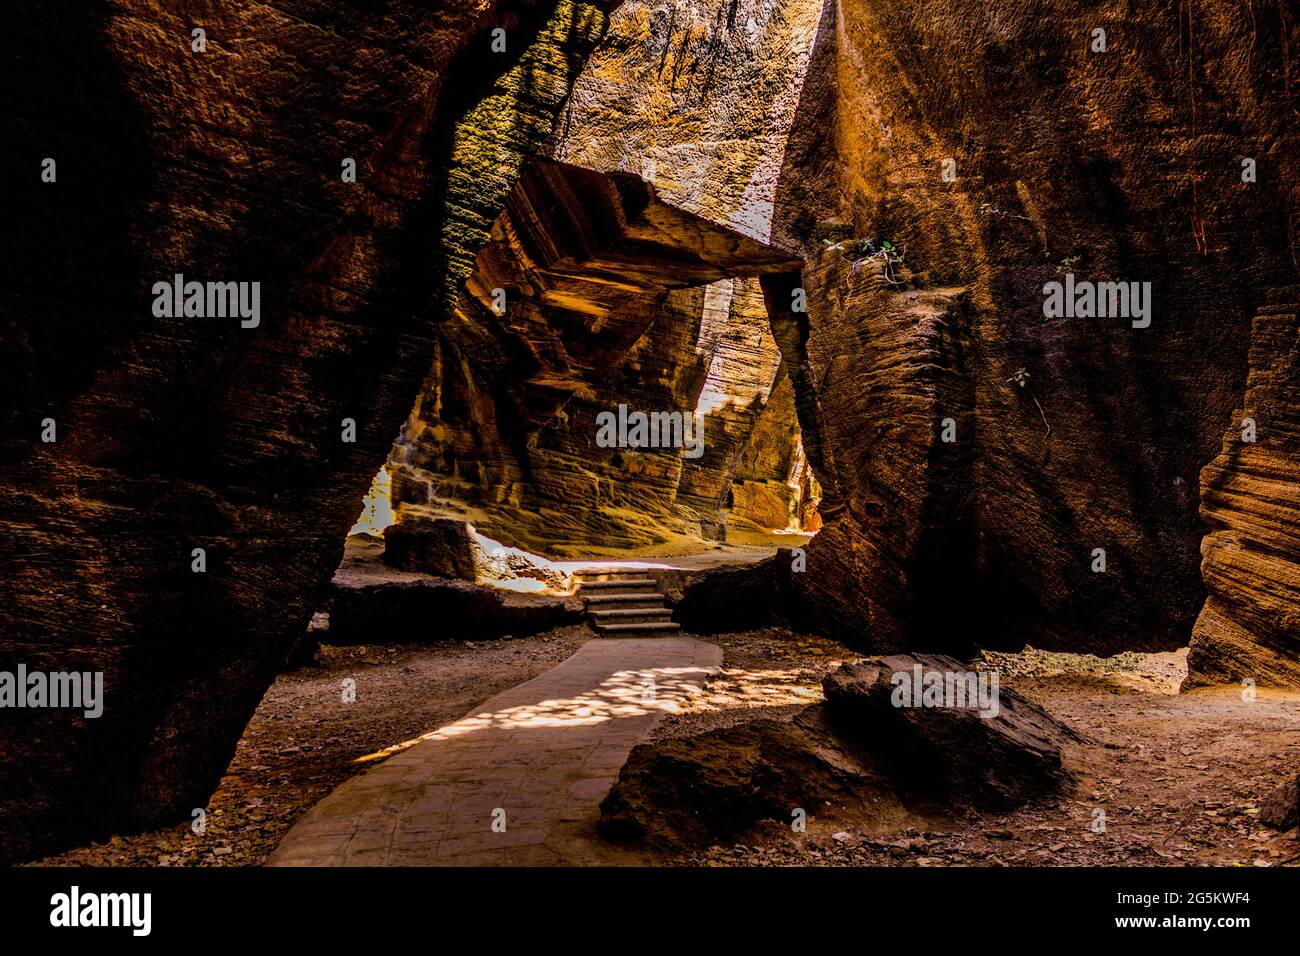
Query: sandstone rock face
1250,497
997,761
587,302
182,433
1124,165
889,373
1001,152
698,96
437,546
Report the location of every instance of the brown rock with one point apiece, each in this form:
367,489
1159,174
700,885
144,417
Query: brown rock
691,792
997,761
1281,809
437,546
436,609
1110,169
180,433
1250,498
594,270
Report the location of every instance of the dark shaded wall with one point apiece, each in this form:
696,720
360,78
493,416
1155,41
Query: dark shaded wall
175,434
1123,165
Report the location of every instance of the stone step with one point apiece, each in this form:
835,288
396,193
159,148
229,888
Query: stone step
654,628
630,615
641,599
584,577
624,584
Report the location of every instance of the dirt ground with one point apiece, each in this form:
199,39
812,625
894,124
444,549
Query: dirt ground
303,741
1178,777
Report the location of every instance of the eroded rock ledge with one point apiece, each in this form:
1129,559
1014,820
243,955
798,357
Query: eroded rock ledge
1249,628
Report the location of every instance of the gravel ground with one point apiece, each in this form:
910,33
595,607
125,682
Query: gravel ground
1177,776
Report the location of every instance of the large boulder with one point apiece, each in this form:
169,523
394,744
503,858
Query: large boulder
603,315
689,792
945,725
432,545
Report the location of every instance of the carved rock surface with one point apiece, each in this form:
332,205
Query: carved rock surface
589,298
1116,166
1250,497
697,97
1124,166
740,598
183,433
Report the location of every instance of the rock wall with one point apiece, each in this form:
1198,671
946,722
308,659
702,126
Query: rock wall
173,434
590,297
697,96
697,99
1000,152
1249,628
890,374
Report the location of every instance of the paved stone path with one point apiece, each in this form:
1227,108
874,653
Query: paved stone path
545,752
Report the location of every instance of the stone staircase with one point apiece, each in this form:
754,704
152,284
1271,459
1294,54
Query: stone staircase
625,604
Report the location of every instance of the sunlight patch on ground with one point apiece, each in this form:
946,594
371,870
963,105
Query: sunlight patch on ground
740,687
629,693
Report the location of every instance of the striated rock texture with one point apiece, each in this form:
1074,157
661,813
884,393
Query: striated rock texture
697,96
1121,165
1001,148
588,298
180,433
1250,497
889,374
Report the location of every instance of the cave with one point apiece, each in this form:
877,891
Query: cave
553,433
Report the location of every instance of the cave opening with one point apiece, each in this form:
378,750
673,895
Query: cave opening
609,392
